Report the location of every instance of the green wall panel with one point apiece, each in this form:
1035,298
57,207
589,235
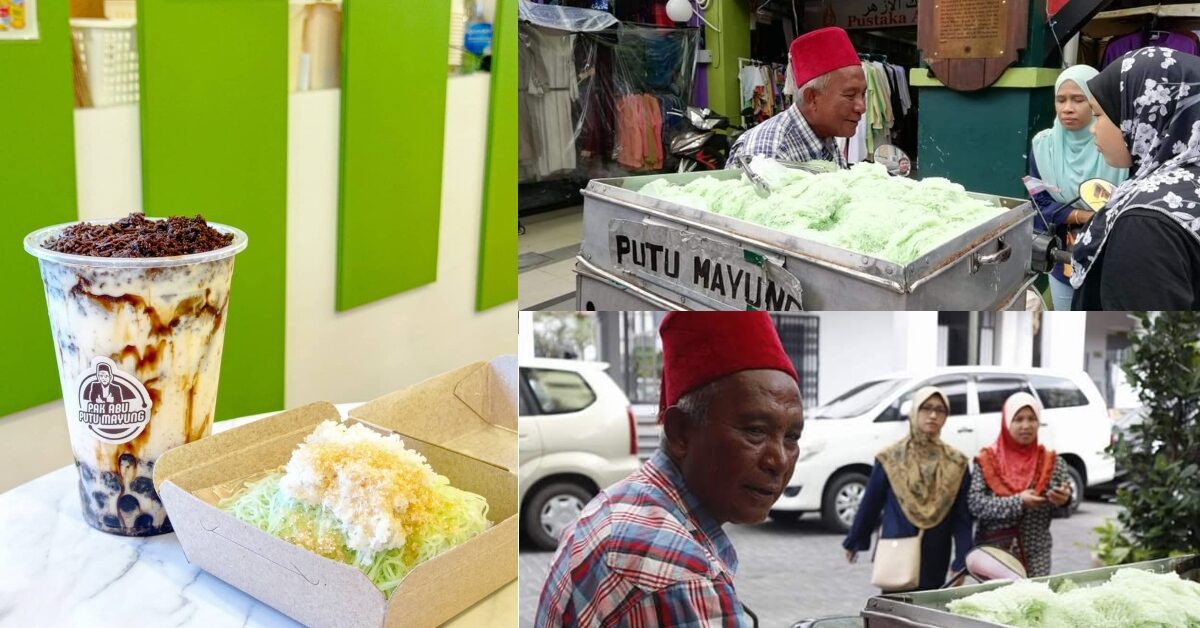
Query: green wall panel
37,148
498,243
981,139
214,141
733,18
986,157
392,134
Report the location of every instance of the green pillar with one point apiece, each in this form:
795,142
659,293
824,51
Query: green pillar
981,139
214,115
37,148
733,18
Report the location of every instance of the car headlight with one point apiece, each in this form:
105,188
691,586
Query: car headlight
810,448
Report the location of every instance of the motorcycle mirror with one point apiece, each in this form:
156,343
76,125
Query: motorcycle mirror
986,563
895,160
1096,192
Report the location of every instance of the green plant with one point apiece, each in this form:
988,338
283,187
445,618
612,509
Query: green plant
558,334
1161,495
1114,548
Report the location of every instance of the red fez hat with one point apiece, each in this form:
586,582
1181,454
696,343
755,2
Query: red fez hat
821,52
702,347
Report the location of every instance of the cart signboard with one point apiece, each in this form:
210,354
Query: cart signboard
705,269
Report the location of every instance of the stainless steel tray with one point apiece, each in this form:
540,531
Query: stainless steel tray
927,609
986,267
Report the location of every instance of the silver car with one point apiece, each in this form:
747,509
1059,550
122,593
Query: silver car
577,435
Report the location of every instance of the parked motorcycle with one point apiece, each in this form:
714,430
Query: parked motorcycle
704,143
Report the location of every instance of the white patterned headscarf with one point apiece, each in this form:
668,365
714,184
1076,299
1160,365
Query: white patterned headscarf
1153,94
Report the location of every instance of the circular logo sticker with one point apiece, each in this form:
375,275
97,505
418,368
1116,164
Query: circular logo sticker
112,404
477,38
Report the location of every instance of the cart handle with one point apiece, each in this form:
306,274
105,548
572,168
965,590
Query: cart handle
999,257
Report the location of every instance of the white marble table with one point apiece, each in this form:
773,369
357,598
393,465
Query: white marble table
55,570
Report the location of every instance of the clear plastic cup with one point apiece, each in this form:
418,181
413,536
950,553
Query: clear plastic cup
139,344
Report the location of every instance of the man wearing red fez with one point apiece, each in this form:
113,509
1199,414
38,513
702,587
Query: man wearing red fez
829,103
650,550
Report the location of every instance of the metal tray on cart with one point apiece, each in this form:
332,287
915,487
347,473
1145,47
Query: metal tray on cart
927,609
985,268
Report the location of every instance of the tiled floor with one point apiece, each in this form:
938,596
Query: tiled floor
546,260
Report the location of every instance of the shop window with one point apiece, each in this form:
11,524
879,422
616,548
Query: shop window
1058,392
994,391
558,392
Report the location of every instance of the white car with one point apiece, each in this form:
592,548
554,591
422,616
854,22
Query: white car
576,435
842,437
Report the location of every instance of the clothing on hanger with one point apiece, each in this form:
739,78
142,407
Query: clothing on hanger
856,149
639,131
762,90
549,91
905,94
1183,42
888,102
596,109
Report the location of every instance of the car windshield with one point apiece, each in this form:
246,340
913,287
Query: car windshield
857,400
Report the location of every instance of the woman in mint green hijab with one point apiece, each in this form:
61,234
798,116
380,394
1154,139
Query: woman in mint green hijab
1065,156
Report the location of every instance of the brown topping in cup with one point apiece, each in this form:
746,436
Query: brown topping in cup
135,236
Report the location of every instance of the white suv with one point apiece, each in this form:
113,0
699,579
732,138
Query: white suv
576,435
841,438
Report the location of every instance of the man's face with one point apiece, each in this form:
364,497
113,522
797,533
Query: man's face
738,460
836,110
105,377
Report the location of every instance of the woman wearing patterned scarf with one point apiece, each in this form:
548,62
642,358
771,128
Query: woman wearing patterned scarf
919,483
1064,156
1142,251
1017,486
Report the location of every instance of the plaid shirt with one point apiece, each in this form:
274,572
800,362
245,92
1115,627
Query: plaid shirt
643,553
786,136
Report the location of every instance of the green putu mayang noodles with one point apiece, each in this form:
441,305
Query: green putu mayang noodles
354,496
862,209
1131,598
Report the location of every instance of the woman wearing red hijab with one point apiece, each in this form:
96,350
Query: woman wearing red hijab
1017,487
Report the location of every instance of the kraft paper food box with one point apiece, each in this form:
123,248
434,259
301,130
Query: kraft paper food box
464,422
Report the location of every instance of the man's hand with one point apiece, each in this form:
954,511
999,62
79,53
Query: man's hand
851,555
1031,500
1060,496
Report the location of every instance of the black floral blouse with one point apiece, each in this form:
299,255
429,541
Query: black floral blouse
994,513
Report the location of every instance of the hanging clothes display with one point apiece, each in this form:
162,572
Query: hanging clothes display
790,88
764,90
778,83
882,134
888,100
752,83
639,132
856,146
595,95
549,91
529,71
594,62
651,77
1183,42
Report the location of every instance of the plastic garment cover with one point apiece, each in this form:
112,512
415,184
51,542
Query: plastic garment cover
570,19
599,103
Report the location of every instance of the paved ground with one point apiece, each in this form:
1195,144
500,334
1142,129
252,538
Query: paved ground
794,571
546,259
